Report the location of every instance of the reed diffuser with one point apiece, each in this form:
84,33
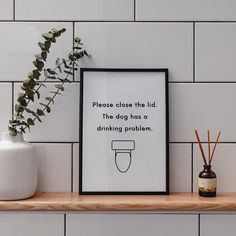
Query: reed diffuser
207,178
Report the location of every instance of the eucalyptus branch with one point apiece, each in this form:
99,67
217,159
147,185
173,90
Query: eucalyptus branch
31,86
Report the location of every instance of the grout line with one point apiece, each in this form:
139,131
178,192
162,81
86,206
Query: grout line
73,44
54,142
194,53
199,224
114,21
72,168
170,82
134,10
64,224
47,82
14,10
192,167
13,98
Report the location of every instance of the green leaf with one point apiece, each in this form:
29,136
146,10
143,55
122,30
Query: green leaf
38,64
40,112
50,99
19,108
53,39
48,109
47,35
30,94
22,102
51,72
47,45
36,74
28,110
30,122
77,40
34,113
63,30
42,46
30,75
12,131
60,87
44,55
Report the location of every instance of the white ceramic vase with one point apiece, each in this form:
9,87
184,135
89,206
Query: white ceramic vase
18,168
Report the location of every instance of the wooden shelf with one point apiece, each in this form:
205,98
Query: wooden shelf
177,202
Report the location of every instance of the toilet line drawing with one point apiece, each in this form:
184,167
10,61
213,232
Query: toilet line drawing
123,150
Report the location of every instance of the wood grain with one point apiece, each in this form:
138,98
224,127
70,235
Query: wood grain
177,202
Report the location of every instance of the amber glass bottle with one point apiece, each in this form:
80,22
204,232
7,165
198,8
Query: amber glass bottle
207,182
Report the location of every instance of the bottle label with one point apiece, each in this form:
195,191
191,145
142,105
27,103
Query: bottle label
207,185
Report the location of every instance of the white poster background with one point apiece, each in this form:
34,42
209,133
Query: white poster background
148,167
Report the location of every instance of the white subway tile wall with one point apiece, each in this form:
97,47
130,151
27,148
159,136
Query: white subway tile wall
131,224
19,44
184,37
194,39
6,10
140,45
24,224
182,10
74,10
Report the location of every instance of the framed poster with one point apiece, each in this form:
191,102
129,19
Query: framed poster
123,131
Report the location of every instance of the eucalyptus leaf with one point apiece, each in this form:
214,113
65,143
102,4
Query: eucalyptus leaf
48,109
30,122
44,55
50,99
60,87
40,112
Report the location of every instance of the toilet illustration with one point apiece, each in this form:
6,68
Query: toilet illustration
123,154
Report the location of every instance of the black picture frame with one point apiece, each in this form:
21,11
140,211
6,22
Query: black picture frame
82,190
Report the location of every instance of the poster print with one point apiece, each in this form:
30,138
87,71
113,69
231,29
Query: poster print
123,131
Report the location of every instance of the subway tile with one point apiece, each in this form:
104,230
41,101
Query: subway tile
92,10
217,224
191,10
6,10
131,224
180,167
140,45
215,52
202,106
54,167
223,165
28,224
6,105
62,124
20,43
75,167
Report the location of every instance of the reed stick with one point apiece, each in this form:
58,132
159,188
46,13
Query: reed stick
215,147
200,146
209,147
